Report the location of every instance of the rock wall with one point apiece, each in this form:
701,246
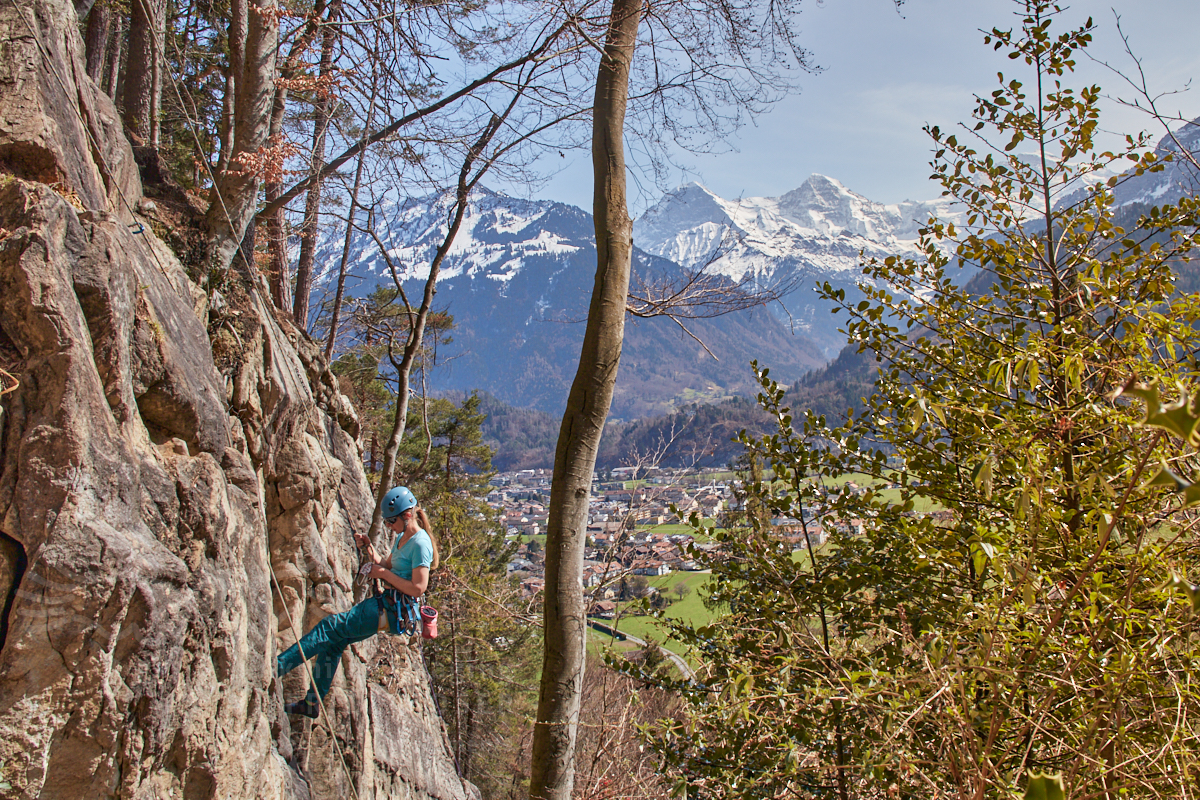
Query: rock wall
149,491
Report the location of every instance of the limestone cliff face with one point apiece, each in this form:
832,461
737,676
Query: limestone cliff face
148,492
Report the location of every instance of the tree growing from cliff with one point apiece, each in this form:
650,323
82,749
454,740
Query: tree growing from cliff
250,89
1029,623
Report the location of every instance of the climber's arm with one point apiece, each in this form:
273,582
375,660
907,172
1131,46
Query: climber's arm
414,588
364,542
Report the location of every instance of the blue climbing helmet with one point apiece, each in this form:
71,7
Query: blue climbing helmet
397,501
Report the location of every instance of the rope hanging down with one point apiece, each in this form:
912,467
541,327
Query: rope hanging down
312,681
87,131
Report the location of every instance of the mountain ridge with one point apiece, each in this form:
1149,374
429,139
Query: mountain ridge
517,281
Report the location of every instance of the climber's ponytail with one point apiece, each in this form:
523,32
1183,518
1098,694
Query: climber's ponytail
423,521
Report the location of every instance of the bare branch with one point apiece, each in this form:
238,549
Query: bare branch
1148,102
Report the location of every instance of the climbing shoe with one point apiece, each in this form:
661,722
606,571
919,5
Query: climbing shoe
305,707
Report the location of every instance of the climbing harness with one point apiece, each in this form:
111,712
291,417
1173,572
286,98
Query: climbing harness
403,612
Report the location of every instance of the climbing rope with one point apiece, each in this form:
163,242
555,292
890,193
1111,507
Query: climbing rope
312,681
192,129
96,149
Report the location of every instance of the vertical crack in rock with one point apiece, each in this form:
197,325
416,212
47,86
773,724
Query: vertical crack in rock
12,569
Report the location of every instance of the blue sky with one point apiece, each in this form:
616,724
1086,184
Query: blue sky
887,74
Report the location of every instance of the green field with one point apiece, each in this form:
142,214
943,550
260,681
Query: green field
683,480
671,529
598,643
690,609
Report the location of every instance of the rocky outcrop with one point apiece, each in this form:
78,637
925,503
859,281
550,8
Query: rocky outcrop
165,513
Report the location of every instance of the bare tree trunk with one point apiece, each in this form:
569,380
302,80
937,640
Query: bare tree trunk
312,205
236,190
245,250
339,295
238,20
156,87
565,623
280,278
116,52
96,40
146,20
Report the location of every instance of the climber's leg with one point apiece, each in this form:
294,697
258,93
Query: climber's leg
326,641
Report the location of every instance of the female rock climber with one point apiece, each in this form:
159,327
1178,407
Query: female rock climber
406,575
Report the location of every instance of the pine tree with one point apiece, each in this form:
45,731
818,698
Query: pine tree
484,663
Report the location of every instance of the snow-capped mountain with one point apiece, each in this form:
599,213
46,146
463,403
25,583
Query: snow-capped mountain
1179,176
498,234
822,226
518,279
817,232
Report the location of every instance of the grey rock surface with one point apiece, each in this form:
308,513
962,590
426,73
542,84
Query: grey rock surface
147,495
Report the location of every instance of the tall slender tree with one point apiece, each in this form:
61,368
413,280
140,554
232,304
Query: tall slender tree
254,38
143,70
734,50
322,109
279,277
564,612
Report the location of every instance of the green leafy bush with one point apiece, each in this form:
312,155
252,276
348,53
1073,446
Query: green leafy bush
1031,623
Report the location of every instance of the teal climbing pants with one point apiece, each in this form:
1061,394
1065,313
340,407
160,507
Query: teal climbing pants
326,641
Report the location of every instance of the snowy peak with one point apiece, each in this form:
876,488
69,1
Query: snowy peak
1188,136
822,194
821,225
825,206
685,226
1178,178
497,235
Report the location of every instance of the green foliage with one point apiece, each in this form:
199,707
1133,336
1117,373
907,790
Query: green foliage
1044,787
1030,624
443,447
357,370
367,375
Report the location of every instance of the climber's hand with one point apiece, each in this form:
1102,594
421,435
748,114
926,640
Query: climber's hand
377,572
362,540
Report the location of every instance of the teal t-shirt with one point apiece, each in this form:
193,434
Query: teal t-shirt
416,552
